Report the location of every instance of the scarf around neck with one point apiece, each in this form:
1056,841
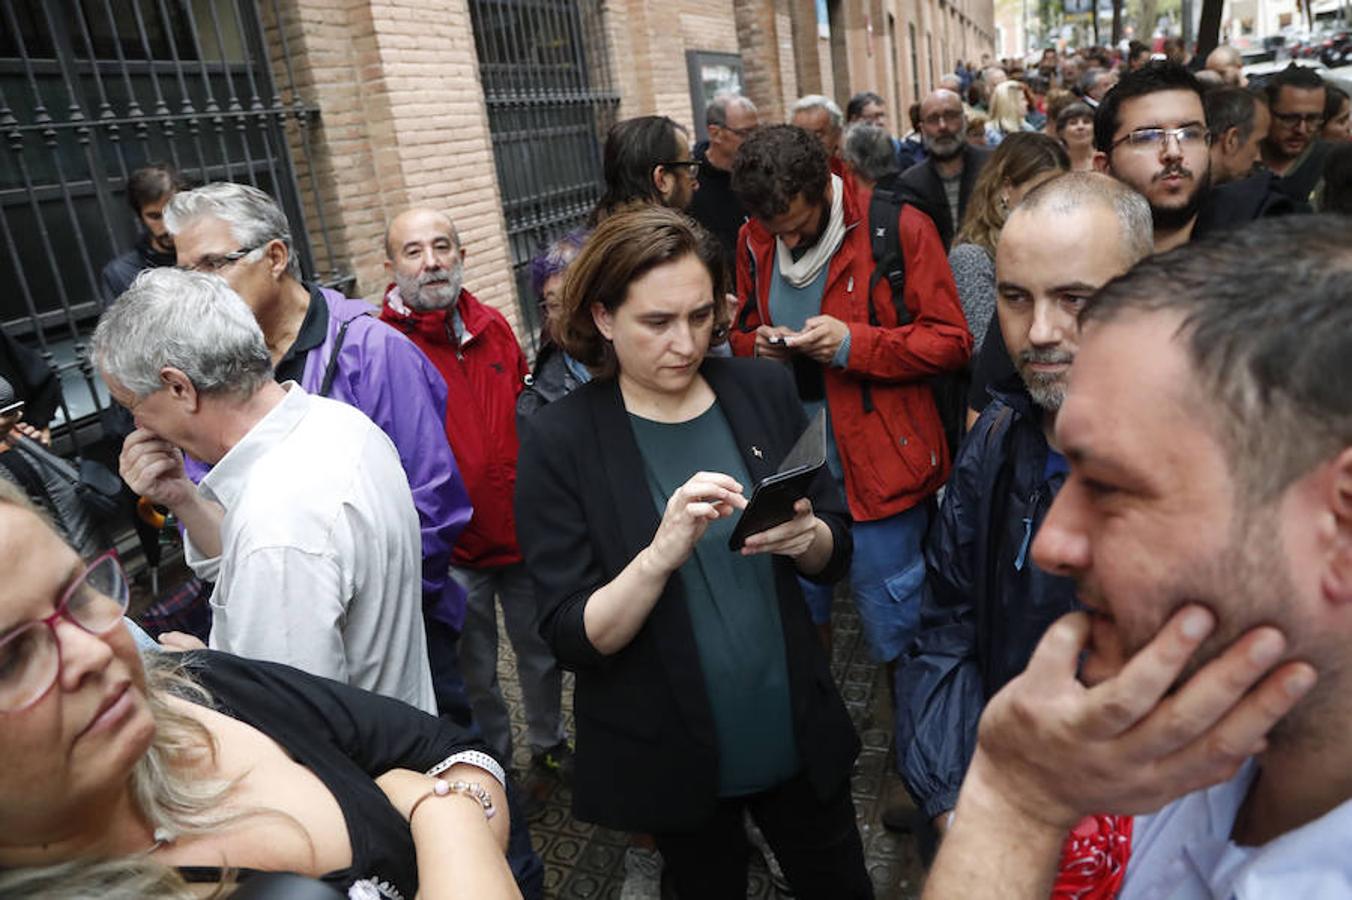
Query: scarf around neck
800,273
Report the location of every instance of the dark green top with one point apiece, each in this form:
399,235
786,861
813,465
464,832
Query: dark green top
733,608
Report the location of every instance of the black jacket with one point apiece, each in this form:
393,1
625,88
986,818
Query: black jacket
647,758
122,270
716,207
550,381
986,605
923,183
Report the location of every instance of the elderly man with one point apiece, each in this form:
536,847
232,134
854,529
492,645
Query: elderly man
943,182
472,345
1207,520
1228,63
333,347
1238,121
821,117
305,523
730,119
986,604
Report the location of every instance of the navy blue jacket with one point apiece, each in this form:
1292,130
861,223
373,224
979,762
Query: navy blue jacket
986,605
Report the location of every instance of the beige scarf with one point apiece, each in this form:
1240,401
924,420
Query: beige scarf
800,273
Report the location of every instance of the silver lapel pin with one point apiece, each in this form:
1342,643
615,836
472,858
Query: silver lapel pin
756,451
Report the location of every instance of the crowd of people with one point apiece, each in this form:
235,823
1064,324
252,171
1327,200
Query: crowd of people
1076,352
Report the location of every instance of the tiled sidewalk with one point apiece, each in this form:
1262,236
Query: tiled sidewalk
587,863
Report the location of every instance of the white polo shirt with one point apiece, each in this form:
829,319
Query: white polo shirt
321,552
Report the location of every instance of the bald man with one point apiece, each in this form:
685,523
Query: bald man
942,183
1227,62
476,351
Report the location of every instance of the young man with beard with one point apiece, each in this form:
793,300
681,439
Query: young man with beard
942,183
149,190
1293,150
1150,132
474,348
986,604
1207,520
333,347
804,278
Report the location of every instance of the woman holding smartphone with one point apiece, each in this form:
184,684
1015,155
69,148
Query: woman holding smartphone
702,692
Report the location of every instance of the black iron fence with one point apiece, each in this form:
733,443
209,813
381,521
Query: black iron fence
90,90
546,80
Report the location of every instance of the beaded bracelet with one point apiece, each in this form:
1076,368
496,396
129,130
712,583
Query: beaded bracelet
442,788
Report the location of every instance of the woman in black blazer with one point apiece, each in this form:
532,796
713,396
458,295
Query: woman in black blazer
702,690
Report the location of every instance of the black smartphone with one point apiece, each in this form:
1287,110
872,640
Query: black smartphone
12,409
772,500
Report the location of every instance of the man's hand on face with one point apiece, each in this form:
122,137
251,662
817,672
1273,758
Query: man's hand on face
153,468
1051,750
820,338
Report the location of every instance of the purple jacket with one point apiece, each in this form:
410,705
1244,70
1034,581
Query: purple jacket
383,374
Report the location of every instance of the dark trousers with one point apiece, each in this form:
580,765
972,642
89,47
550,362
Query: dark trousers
817,845
447,683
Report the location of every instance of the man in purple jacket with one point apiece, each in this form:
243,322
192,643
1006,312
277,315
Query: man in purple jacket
337,348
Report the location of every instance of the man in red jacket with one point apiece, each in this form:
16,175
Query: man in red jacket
804,264
476,352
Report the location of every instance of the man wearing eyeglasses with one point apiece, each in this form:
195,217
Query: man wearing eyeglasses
730,119
335,347
1150,132
942,183
1293,150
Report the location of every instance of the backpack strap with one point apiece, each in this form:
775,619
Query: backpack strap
751,302
331,368
884,232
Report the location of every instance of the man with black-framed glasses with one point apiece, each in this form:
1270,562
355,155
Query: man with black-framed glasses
1293,150
730,119
647,160
1150,133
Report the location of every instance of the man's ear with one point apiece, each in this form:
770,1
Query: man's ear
1336,533
1230,141
278,257
1101,163
664,180
180,388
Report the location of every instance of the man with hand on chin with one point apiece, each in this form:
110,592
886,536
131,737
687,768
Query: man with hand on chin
1207,520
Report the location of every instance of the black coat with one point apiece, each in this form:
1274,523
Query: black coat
647,757
926,190
986,605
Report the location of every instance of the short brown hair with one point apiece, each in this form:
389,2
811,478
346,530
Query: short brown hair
622,249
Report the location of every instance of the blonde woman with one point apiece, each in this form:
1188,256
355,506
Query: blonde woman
1008,112
168,777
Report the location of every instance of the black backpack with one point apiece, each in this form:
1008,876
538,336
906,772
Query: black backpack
950,388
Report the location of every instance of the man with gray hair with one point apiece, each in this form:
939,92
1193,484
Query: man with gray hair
730,119
942,183
986,604
870,154
822,118
334,347
305,523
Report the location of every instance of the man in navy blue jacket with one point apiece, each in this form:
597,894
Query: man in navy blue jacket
986,604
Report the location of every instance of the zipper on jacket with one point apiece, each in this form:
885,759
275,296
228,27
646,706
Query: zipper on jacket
1022,558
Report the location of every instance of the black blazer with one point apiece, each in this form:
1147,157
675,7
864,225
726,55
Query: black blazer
646,752
922,182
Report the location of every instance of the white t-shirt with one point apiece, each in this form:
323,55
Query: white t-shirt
321,553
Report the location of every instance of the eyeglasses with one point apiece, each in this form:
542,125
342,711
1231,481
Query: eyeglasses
1158,138
742,133
1291,120
30,656
691,164
209,265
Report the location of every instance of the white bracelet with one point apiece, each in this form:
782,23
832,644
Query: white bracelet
474,758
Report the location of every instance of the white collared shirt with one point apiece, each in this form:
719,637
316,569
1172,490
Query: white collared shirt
1184,852
321,553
